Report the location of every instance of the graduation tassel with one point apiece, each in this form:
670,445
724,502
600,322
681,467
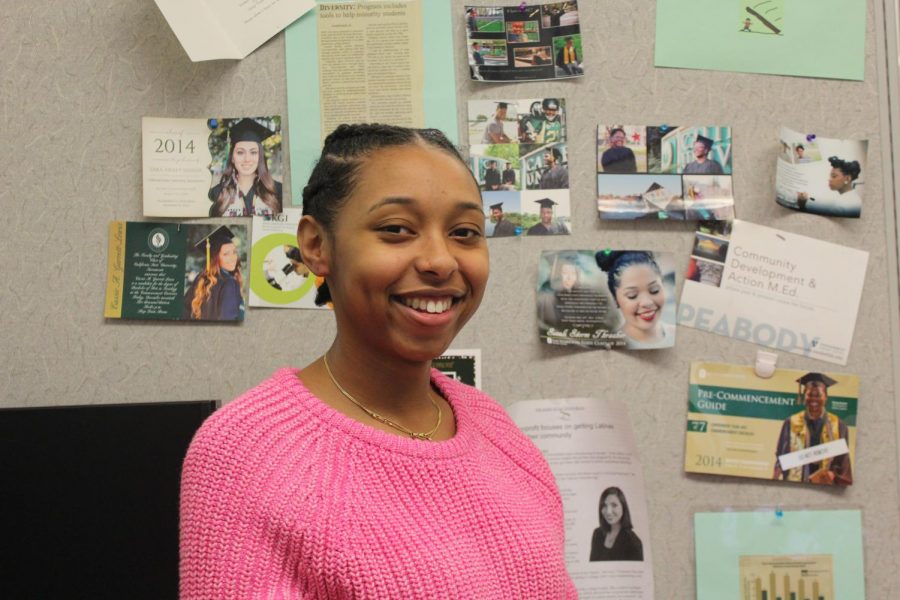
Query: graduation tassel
207,255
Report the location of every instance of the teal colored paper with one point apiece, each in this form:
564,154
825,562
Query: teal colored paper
819,38
721,538
302,70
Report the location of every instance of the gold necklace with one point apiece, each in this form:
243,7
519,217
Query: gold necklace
426,435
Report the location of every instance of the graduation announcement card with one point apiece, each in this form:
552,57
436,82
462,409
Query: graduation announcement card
212,167
169,271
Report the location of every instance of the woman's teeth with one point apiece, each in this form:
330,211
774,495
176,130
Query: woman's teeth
431,305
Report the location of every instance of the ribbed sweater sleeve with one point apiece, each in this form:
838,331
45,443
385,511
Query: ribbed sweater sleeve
284,497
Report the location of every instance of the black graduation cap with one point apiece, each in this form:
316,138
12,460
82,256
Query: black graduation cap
705,141
248,130
820,377
214,241
502,105
546,203
498,206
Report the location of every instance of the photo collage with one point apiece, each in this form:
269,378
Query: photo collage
524,42
518,155
664,172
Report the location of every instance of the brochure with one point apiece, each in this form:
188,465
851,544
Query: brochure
366,62
461,365
773,553
212,167
228,29
278,277
590,447
825,38
519,156
170,271
664,172
821,175
773,288
525,42
608,299
795,426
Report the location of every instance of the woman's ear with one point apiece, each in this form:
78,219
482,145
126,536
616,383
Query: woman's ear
312,240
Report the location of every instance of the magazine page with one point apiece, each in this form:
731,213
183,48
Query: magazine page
215,167
592,452
371,65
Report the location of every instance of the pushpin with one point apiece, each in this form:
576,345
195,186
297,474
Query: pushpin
523,6
212,123
663,127
810,137
779,513
765,364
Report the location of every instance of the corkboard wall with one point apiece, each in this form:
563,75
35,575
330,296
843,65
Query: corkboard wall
77,77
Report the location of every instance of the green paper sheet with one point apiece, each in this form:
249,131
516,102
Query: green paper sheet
302,71
809,38
722,538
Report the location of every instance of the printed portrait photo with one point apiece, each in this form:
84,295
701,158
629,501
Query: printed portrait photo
216,267
493,122
559,14
689,150
621,149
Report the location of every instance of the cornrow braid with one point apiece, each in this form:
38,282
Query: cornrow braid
344,152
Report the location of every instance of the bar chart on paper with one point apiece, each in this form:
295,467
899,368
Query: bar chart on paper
795,577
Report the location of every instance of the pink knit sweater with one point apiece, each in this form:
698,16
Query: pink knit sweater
284,497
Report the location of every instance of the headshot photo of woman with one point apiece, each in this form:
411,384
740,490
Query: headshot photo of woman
368,474
216,293
560,291
618,158
615,539
636,284
246,187
846,202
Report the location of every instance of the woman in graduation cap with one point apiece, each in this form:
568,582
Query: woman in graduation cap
215,295
368,474
246,187
813,426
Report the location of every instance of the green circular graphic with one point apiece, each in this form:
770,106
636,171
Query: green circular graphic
259,285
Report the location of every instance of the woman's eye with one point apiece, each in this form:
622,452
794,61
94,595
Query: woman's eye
465,233
631,297
655,290
396,229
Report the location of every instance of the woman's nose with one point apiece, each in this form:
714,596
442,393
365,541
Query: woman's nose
436,257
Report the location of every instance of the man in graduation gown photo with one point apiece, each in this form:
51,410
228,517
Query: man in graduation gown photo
547,226
502,227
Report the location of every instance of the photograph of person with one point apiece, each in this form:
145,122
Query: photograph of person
846,201
549,223
215,293
564,300
500,226
568,55
559,14
394,223
635,282
522,32
246,187
810,427
615,539
544,123
284,268
493,129
555,175
616,157
703,163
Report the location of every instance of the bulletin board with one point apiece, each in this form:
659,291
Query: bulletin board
77,77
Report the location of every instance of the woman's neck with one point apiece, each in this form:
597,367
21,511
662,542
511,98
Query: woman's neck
643,335
245,182
846,188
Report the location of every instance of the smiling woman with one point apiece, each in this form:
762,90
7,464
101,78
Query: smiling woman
367,474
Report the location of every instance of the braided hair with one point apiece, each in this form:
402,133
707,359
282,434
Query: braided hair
344,153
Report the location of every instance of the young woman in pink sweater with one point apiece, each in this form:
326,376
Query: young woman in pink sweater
367,474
